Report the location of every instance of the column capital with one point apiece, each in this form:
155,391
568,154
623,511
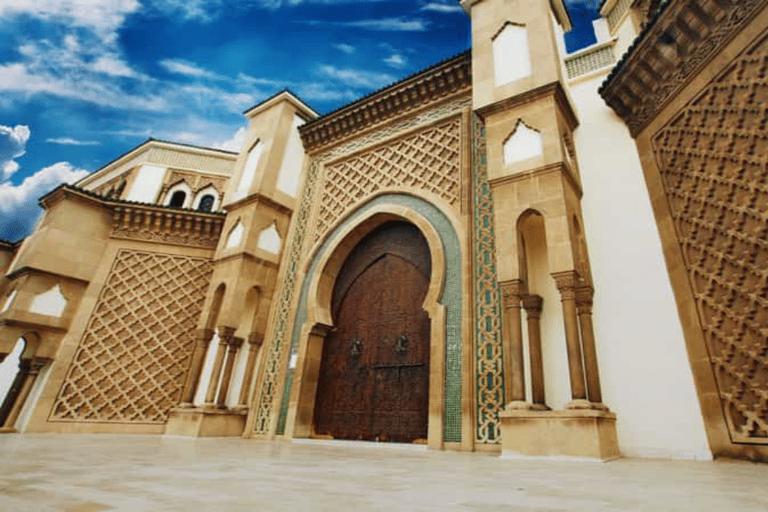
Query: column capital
37,364
321,330
511,293
203,335
235,342
225,334
584,295
533,305
256,338
566,283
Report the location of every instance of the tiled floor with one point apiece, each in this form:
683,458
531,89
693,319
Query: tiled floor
135,473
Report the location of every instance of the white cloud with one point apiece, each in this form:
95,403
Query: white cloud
110,65
357,78
18,203
346,48
186,68
19,78
382,24
13,143
396,61
13,197
235,143
66,141
103,17
442,7
325,92
390,24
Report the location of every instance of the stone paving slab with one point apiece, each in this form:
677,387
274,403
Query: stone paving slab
136,473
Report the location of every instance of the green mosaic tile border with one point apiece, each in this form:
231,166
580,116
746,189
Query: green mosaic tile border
451,299
489,355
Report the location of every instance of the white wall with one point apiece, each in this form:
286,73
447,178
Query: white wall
645,371
147,184
289,177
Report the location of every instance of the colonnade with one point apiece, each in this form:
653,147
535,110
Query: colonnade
576,300
29,370
223,367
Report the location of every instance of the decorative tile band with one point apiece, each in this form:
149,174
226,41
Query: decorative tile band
489,357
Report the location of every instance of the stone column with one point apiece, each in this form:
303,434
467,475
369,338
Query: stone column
225,334
32,370
584,296
533,305
566,285
514,369
202,339
226,378
254,344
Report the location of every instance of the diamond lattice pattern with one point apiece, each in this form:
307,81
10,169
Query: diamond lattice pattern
428,161
715,173
133,358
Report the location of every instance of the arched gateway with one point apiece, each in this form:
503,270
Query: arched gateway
374,374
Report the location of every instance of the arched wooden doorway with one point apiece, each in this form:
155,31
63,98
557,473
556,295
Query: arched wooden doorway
374,373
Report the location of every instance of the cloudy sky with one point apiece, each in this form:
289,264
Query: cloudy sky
84,81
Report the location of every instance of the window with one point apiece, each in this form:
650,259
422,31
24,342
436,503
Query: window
206,203
177,199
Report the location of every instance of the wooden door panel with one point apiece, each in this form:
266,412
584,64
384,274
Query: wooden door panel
374,377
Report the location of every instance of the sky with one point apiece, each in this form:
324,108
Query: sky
84,81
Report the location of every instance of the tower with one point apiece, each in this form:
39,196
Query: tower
259,203
519,92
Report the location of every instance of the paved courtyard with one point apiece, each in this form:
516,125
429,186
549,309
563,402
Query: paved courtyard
136,473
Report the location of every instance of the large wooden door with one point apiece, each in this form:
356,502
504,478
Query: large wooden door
374,374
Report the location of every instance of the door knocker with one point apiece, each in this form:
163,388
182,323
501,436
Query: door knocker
357,346
401,346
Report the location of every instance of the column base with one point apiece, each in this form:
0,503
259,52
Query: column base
205,422
585,404
525,406
578,434
8,430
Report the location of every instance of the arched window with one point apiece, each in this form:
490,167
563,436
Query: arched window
206,203
177,199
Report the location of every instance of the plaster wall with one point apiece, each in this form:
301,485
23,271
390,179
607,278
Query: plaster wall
626,34
645,371
289,177
147,184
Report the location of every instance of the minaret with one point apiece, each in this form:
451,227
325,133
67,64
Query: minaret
520,93
259,203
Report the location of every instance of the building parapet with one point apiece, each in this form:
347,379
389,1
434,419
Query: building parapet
595,57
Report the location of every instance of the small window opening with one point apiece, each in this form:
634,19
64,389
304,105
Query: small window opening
177,199
206,203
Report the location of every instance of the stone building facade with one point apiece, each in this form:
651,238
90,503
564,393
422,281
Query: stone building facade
516,250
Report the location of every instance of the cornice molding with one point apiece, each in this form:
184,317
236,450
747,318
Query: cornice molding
149,222
430,86
552,89
676,44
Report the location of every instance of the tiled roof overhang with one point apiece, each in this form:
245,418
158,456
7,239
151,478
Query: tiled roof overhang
677,43
437,82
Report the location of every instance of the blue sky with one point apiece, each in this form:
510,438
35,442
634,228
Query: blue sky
83,81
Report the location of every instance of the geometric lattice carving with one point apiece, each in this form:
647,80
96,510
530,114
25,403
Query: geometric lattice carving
131,363
281,349
489,357
713,165
427,160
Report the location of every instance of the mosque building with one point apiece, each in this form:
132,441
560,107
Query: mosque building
517,250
